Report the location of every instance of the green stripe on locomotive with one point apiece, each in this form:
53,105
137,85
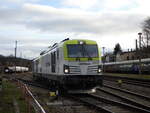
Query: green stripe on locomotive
88,42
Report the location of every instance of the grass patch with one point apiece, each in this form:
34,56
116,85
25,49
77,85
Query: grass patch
147,77
10,92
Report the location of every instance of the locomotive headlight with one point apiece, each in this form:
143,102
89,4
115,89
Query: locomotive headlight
93,90
6,70
66,69
99,69
81,42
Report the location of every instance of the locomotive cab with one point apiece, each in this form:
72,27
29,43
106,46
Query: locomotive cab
81,65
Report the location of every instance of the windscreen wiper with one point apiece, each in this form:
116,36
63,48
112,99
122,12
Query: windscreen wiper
86,52
77,58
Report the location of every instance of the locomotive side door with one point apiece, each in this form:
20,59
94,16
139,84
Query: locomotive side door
36,66
53,62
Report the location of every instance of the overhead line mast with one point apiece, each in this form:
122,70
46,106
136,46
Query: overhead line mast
15,54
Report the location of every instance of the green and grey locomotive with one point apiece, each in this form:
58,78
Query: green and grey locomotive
71,65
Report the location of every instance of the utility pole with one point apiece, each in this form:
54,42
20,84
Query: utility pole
136,45
140,34
15,55
103,58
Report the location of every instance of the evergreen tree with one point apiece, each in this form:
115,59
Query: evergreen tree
117,49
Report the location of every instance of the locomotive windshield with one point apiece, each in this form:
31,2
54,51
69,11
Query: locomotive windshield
78,51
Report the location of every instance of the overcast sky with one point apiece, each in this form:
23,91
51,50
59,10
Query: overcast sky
37,24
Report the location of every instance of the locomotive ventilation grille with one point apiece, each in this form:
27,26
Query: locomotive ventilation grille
74,69
92,69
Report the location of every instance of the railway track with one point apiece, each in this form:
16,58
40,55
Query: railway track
107,101
103,104
32,83
131,98
106,105
129,92
139,83
126,80
71,105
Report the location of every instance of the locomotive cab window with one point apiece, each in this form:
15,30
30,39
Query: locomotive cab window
53,61
76,50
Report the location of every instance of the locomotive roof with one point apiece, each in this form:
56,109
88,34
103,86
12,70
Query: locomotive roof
65,42
76,41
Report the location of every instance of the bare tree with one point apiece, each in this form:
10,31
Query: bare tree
146,32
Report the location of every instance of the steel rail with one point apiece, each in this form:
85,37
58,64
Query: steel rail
120,103
36,102
129,92
31,95
99,108
130,82
139,82
108,101
127,100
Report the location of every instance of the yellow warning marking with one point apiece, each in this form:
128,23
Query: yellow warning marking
52,94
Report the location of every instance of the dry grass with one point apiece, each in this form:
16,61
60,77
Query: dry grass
130,75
